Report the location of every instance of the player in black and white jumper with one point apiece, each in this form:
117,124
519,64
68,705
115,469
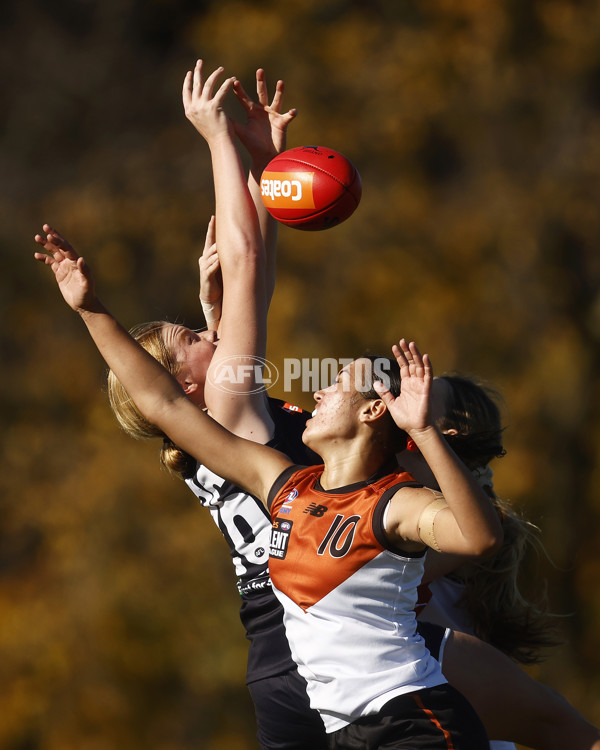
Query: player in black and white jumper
236,321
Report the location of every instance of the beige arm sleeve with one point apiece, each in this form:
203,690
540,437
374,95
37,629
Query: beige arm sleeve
427,520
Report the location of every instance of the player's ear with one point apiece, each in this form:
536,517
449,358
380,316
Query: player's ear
373,410
189,387
450,431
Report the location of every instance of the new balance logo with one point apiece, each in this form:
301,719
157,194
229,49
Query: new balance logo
316,510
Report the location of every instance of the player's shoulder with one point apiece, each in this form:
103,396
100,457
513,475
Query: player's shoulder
287,416
290,421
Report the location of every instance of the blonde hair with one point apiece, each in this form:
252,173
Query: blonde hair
493,598
150,337
500,612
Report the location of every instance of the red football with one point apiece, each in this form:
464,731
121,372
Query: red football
310,187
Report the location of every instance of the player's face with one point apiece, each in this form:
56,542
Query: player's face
193,350
337,407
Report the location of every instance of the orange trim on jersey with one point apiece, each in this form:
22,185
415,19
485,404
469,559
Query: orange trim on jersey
433,719
291,407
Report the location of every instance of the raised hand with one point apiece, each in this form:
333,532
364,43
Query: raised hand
202,109
264,132
211,279
73,275
410,410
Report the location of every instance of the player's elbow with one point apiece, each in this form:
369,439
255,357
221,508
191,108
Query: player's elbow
163,409
488,544
245,251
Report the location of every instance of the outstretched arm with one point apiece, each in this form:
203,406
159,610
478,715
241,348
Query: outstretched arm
264,136
155,392
469,525
239,406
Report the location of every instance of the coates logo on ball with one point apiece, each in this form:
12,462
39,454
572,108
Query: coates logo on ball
310,188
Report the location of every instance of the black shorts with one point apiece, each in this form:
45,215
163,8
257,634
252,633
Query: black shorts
438,718
284,718
435,637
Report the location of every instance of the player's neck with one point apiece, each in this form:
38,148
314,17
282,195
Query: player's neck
348,466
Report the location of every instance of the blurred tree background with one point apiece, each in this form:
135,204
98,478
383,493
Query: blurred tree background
475,125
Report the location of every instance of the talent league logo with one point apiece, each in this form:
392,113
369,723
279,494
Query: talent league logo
280,538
